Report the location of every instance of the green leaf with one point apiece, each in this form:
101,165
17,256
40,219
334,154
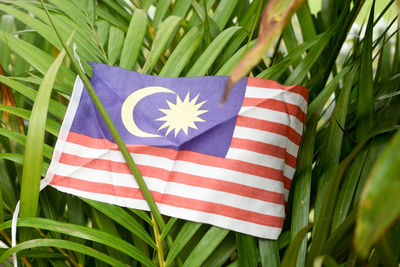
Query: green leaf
33,159
229,65
283,239
248,18
103,30
306,22
347,190
325,260
182,53
165,32
275,71
386,255
115,43
168,227
223,252
181,7
276,16
206,246
161,10
332,144
64,89
33,23
8,190
72,11
6,24
105,224
246,249
55,107
322,228
184,236
374,152
289,37
224,12
208,57
340,232
269,252
103,13
47,150
134,40
300,72
37,243
379,204
323,96
365,104
290,258
111,127
302,186
122,217
35,56
52,126
233,46
117,10
142,215
84,233
83,37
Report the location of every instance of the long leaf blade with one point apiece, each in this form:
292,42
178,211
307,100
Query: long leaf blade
33,159
379,204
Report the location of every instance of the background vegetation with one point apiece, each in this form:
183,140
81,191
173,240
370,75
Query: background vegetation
344,206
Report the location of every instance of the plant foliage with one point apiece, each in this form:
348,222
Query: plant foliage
343,207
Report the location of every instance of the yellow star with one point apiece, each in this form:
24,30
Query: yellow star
182,115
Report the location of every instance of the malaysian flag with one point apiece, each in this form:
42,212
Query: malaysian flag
229,166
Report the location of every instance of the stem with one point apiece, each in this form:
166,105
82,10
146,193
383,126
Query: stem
111,127
121,145
253,27
157,237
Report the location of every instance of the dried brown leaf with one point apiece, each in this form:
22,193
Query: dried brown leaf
276,16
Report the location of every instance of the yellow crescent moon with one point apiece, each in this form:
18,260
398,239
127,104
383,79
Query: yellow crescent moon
130,103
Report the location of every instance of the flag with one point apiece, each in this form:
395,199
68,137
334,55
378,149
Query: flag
229,166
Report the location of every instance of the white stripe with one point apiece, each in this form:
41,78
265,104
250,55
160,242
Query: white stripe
288,171
267,138
286,193
278,94
292,148
273,116
176,189
256,158
225,222
261,159
192,215
179,166
65,127
260,136
120,201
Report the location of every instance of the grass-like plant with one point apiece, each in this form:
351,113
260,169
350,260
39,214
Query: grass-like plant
344,203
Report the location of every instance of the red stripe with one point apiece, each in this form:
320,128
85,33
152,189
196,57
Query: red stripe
211,183
187,156
175,177
287,182
276,105
258,147
263,83
269,126
97,164
290,160
171,200
264,148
